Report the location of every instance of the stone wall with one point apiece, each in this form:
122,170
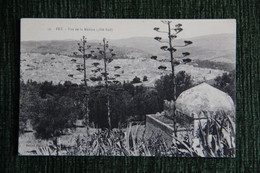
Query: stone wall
156,126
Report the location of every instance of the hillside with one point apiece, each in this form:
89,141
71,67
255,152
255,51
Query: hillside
211,56
61,68
219,48
70,48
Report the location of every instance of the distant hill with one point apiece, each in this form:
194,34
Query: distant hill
218,47
210,51
70,48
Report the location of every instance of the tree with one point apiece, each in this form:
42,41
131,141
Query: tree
165,89
145,102
107,55
129,87
136,80
226,83
145,78
98,111
121,107
107,59
45,88
174,60
183,82
54,114
82,47
29,103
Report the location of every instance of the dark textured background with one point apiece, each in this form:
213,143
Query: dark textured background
248,72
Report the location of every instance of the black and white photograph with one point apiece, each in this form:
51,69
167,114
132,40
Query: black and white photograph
127,87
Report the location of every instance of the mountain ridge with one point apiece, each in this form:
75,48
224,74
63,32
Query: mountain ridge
217,47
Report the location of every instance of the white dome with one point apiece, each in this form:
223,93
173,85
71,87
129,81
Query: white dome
204,97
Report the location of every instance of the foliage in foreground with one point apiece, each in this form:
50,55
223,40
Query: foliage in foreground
116,142
214,137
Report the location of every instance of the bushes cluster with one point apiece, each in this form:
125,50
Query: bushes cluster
52,108
227,83
165,88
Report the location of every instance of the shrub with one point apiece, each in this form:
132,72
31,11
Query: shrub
29,103
46,105
119,143
214,137
145,78
165,88
55,114
226,83
136,80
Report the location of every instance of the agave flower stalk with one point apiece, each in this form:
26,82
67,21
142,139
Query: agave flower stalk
172,34
107,59
82,48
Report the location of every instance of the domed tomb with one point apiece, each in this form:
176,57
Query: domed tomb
204,97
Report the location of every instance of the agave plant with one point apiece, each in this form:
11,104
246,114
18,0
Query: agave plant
214,136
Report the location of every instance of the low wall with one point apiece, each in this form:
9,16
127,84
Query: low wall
154,126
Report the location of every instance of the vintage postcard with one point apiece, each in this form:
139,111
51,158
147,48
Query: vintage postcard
128,87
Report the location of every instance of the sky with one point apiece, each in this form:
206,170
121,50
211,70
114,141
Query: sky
96,29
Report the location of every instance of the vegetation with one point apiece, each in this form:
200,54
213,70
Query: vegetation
226,83
52,108
165,88
111,109
116,142
145,78
214,65
214,137
136,80
171,47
